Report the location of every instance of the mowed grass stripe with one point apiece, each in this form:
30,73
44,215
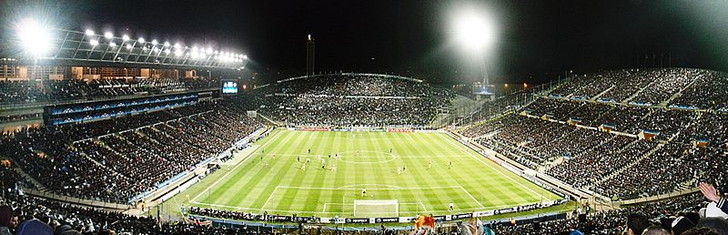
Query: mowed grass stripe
427,180
230,189
306,192
464,173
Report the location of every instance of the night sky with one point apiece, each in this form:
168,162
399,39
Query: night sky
537,40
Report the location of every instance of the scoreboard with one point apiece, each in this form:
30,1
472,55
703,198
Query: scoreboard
229,87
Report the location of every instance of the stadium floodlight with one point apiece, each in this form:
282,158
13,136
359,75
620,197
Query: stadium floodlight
128,46
167,51
108,35
245,57
473,31
141,40
154,42
125,37
217,52
155,49
94,42
35,38
178,52
112,44
177,45
209,50
166,44
90,32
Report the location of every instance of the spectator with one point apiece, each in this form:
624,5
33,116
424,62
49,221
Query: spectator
636,224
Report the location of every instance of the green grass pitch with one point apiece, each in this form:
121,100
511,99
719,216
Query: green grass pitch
272,178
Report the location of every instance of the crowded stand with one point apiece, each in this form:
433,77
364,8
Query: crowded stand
355,100
22,214
612,222
614,164
709,127
12,92
706,92
650,86
584,167
114,160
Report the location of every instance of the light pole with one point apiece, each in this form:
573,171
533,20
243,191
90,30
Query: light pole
475,33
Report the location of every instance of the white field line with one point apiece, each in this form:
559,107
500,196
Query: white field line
471,196
269,197
315,212
480,158
234,168
347,188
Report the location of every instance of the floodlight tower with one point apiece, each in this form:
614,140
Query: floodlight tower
310,56
475,34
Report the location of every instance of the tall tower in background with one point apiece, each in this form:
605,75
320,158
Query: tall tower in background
310,56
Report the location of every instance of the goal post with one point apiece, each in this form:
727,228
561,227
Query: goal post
376,208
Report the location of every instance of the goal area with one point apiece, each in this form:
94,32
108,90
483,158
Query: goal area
376,208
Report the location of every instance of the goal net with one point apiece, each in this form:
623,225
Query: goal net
376,208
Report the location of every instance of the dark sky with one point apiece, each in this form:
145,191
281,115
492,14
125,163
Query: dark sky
537,39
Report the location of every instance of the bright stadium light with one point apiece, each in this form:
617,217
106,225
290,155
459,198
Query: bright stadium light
90,32
108,35
154,42
245,57
141,40
167,51
178,52
209,50
112,44
125,37
473,31
94,42
35,38
177,45
166,44
128,46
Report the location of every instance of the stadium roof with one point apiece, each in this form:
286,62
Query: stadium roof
33,42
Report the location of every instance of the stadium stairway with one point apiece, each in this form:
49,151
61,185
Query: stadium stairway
643,157
32,180
270,120
601,93
625,101
679,93
102,165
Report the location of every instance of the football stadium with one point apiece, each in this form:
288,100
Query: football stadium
456,117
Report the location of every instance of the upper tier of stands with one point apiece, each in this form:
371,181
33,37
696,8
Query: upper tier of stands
613,110
354,100
21,92
690,88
